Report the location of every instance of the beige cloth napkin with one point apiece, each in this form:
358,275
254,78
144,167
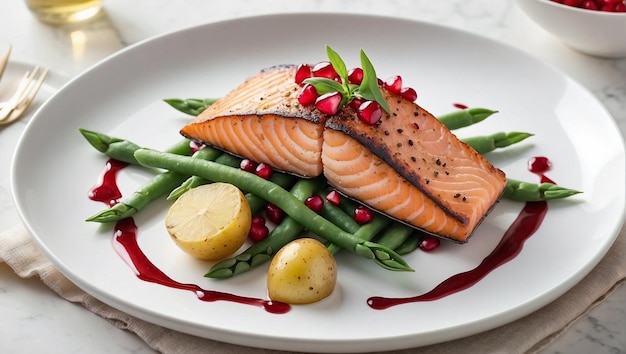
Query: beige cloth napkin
527,335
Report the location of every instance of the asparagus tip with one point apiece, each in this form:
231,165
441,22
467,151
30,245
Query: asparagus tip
95,139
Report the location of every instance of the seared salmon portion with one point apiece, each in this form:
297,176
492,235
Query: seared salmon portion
412,168
262,120
408,166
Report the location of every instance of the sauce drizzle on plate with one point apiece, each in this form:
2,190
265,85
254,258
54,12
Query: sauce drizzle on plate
511,244
125,244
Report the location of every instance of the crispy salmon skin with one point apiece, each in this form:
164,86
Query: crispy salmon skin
408,165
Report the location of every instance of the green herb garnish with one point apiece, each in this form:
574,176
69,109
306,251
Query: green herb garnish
367,90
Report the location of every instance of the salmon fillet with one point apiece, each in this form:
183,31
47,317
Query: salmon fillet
262,120
408,166
412,168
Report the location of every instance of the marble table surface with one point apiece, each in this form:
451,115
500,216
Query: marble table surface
35,320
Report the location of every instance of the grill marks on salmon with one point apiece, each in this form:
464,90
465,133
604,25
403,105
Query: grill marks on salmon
409,166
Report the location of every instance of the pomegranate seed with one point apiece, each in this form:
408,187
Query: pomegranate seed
258,232
195,146
429,243
589,5
408,94
308,95
315,203
329,103
356,103
258,219
274,213
355,76
263,170
380,82
608,2
393,84
248,165
574,3
303,72
459,105
416,126
334,198
363,215
620,8
324,69
370,112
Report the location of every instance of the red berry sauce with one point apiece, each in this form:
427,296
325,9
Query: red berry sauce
107,191
125,244
527,222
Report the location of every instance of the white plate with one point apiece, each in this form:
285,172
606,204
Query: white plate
10,134
54,168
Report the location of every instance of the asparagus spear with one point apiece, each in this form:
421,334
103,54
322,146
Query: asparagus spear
488,143
466,117
274,194
156,187
530,192
191,106
124,150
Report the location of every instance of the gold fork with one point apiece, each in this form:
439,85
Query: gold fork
26,91
4,60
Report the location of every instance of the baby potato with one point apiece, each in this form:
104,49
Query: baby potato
209,222
302,272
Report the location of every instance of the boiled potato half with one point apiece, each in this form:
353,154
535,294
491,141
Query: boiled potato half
302,272
209,222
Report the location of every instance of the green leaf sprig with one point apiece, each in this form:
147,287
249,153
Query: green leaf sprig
367,90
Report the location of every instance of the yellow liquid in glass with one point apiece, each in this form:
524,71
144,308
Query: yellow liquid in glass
64,11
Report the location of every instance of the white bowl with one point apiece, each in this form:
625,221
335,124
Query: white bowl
592,32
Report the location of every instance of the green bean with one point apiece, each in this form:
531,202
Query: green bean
123,150
282,179
194,181
229,160
531,192
153,189
411,243
395,235
348,205
465,117
365,232
488,143
342,216
274,194
339,217
287,230
191,106
392,237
